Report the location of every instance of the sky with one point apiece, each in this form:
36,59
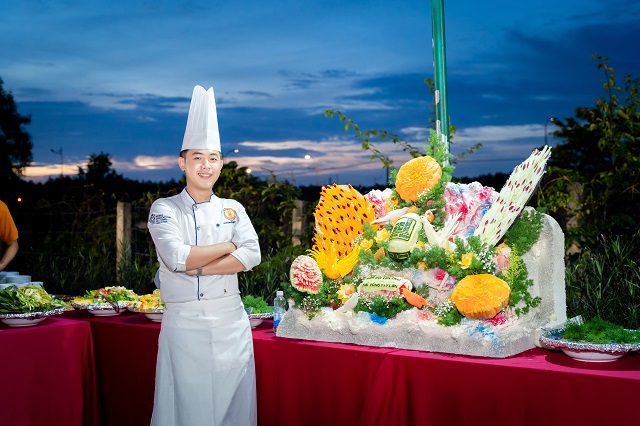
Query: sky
116,77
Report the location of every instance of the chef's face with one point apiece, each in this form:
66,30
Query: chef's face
202,167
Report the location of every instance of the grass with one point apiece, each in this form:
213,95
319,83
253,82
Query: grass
604,282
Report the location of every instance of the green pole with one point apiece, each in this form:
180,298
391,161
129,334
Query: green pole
440,71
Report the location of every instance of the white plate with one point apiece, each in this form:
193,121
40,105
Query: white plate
584,351
22,322
587,356
107,312
255,322
157,317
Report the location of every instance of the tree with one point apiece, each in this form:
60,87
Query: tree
15,142
593,180
98,168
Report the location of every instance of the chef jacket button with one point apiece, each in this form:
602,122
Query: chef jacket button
201,294
198,228
225,290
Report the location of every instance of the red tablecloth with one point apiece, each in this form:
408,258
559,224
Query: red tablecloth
125,347
48,375
318,383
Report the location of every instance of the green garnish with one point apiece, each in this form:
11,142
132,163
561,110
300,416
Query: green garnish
257,303
599,331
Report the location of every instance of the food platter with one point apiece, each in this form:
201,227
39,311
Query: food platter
29,318
587,352
152,314
102,309
256,319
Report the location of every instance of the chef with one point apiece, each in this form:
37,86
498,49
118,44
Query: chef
205,372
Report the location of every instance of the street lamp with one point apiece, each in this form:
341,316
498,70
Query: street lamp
59,152
550,120
315,165
235,151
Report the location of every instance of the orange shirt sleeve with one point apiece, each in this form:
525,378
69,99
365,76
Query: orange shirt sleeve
8,230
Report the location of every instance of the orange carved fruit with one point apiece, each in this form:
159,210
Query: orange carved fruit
481,296
417,176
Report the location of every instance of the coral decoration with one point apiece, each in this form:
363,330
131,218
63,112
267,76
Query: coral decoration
480,296
417,176
414,299
471,202
513,196
305,275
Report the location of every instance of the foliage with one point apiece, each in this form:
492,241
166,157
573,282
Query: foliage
597,330
447,314
604,282
15,142
524,232
521,301
385,307
592,186
258,304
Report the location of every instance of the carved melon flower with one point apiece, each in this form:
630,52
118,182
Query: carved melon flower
366,244
382,235
305,274
466,260
417,176
345,292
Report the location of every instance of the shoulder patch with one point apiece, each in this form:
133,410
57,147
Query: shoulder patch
230,213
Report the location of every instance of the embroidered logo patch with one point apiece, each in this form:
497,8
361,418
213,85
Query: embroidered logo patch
156,219
230,214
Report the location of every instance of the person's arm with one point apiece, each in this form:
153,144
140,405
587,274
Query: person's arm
199,256
224,265
9,254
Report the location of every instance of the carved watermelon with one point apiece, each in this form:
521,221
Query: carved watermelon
305,274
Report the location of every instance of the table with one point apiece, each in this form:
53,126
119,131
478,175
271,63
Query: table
48,375
321,383
318,383
125,349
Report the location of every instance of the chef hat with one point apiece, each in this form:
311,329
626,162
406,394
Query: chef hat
202,124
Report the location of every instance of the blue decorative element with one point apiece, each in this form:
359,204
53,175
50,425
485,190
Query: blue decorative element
378,319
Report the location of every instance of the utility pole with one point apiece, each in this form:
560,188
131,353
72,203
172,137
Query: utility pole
59,152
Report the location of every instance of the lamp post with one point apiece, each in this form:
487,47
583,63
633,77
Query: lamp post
59,152
235,151
550,120
315,166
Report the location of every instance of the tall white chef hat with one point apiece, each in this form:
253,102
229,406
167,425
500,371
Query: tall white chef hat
202,124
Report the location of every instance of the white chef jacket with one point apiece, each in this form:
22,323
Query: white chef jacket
205,374
176,223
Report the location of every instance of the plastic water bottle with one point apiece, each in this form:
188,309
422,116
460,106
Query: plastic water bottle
279,308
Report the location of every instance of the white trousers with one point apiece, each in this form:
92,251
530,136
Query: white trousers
205,373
